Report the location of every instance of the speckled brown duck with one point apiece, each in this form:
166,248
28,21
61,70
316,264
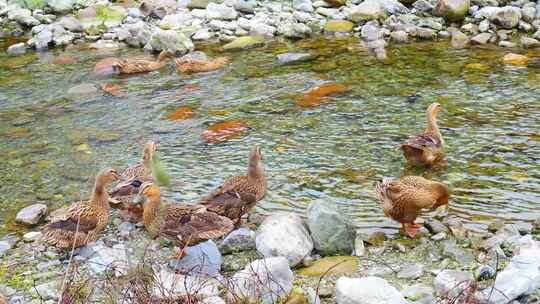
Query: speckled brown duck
194,65
427,148
82,222
134,66
184,225
131,179
239,194
403,199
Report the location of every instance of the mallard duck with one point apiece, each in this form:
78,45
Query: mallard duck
131,179
133,66
426,148
239,194
82,222
403,199
182,224
193,65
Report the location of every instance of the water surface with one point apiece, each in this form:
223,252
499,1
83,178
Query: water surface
54,140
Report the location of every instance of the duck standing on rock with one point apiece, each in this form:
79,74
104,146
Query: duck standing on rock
82,222
239,194
403,199
134,66
131,179
427,148
182,224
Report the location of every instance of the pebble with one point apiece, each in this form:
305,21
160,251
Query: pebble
32,214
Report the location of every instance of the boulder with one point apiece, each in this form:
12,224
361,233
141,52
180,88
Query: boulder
375,9
528,42
367,290
522,274
331,230
220,11
170,40
452,10
32,214
284,234
450,284
61,6
241,239
261,281
17,49
203,259
481,38
71,24
506,17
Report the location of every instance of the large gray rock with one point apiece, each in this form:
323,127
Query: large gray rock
71,24
220,11
22,16
17,49
367,290
284,234
303,5
506,17
203,259
32,214
241,239
452,10
376,9
521,276
450,284
61,6
481,38
262,281
331,231
170,40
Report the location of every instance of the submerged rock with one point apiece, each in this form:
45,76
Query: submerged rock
32,214
367,290
287,58
245,42
284,234
338,26
331,231
515,59
334,265
262,281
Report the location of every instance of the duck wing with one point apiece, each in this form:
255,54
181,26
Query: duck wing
232,199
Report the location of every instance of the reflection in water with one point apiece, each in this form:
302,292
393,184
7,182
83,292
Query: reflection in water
58,127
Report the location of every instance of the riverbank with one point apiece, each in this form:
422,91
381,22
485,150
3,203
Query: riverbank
172,25
282,258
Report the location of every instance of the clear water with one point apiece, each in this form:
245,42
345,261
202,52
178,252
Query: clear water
54,141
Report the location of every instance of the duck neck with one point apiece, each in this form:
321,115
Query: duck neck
255,171
432,126
151,208
100,197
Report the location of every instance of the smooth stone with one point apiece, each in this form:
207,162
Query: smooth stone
303,5
246,42
71,24
220,11
375,9
452,10
32,214
247,7
262,281
423,6
334,265
459,40
17,49
481,38
515,59
338,26
203,259
359,246
4,247
371,32
484,272
367,290
32,236
241,239
435,226
284,228
332,232
507,44
287,58
529,43
506,17
61,6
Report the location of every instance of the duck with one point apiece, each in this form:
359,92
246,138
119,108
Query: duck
131,179
82,222
194,65
427,148
184,225
239,194
134,66
403,199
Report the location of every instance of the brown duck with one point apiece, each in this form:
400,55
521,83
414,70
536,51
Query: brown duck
131,179
82,222
427,148
134,66
403,199
239,194
193,65
182,224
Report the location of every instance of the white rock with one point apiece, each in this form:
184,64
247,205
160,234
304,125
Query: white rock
170,284
303,5
17,49
103,259
32,214
202,35
521,276
176,21
284,234
374,9
174,41
4,247
262,281
367,290
451,283
261,29
32,236
220,11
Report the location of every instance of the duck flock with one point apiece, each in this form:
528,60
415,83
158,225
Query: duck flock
137,194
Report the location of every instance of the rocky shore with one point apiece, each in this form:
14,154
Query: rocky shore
280,258
176,25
